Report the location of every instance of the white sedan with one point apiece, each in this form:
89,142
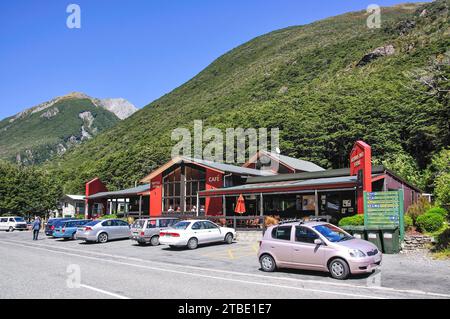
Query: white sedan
191,233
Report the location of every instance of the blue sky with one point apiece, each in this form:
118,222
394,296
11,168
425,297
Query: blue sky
135,49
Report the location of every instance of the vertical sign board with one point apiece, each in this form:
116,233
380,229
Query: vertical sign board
361,166
384,209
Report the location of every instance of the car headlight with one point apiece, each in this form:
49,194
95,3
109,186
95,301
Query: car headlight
356,253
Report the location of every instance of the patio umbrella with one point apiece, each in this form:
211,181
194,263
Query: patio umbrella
240,206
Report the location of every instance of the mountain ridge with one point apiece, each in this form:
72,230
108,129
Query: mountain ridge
38,133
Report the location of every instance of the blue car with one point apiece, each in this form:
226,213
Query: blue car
67,229
50,225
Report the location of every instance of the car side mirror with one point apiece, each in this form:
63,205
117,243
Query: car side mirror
318,241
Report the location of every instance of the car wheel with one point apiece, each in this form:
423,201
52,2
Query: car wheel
192,243
103,238
154,241
267,263
339,269
11,229
229,238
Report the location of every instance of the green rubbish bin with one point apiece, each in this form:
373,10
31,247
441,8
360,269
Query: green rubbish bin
356,231
359,232
391,239
374,236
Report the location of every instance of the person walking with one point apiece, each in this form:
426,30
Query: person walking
36,227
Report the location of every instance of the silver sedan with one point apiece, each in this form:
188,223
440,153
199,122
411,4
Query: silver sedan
103,230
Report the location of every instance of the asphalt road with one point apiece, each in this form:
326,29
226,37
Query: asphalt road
50,268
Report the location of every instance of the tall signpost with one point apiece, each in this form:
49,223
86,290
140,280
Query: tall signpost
361,166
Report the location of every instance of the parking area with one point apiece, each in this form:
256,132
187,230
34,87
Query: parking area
121,269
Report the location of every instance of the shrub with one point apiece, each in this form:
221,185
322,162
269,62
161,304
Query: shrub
430,222
438,210
79,216
443,240
419,208
355,220
112,216
408,221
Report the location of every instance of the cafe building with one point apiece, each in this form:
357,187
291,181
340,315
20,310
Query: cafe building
271,185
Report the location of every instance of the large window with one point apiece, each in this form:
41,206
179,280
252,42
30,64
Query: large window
195,182
181,187
172,191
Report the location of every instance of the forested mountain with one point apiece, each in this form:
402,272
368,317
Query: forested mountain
37,134
324,85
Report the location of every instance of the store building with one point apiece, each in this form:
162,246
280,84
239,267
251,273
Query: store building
271,184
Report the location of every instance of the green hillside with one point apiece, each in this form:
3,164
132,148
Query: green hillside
318,83
39,133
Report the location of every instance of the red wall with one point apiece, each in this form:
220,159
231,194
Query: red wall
93,187
156,193
213,205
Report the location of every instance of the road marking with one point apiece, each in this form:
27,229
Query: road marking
355,295
387,289
104,292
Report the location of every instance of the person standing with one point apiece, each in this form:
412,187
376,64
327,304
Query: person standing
36,227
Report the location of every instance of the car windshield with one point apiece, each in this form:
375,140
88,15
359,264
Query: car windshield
19,219
332,233
138,223
59,223
181,225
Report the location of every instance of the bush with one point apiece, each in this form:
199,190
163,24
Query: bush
438,210
112,216
355,220
418,208
443,240
408,221
79,216
430,222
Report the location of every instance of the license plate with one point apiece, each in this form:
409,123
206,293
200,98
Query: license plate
135,234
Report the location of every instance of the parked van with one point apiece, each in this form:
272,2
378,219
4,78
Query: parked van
12,223
146,231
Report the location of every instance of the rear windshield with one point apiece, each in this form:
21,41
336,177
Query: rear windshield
93,223
181,225
59,223
19,219
138,223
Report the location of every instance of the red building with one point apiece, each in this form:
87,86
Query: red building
271,184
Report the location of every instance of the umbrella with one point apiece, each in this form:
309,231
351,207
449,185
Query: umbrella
240,206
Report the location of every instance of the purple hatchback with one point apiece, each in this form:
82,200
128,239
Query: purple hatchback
317,246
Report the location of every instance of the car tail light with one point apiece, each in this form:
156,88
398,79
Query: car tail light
87,228
63,230
172,234
142,233
162,234
52,227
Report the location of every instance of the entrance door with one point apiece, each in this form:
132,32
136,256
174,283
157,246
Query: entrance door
304,252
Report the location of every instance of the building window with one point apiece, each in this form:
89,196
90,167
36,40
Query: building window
195,182
175,197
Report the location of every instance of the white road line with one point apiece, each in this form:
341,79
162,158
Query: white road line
104,292
387,289
355,295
